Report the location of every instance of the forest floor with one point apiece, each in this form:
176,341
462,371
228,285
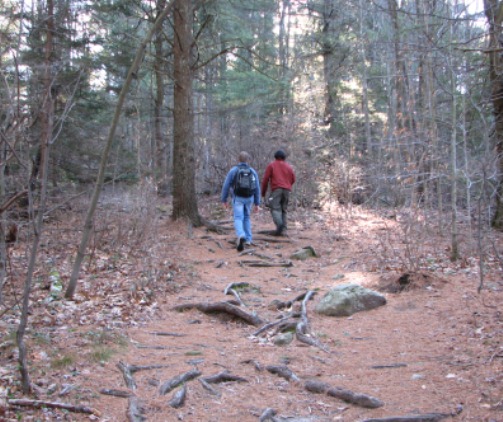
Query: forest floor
435,347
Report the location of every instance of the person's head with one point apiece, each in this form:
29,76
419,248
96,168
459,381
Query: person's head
244,157
280,154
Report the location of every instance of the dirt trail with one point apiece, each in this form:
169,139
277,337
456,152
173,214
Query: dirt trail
436,347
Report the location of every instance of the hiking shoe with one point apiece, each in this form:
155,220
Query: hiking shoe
279,231
240,244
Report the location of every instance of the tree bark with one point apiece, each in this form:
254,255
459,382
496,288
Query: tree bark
494,14
184,165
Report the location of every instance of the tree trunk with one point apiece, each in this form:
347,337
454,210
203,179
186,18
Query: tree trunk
184,165
88,224
161,168
494,15
47,123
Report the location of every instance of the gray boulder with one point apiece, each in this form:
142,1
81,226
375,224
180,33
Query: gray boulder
347,299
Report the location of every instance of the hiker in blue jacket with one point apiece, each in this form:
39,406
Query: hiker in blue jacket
244,183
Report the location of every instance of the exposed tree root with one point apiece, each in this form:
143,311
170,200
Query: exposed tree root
268,415
348,396
302,329
167,334
264,264
426,417
231,289
53,405
135,411
178,380
224,376
283,371
116,393
178,399
224,307
275,323
127,375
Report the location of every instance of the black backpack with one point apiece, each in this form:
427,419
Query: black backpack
244,182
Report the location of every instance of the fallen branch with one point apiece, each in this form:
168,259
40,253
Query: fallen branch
53,405
348,396
178,380
224,307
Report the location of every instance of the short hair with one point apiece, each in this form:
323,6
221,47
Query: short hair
280,154
244,157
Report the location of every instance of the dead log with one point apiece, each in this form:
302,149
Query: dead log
53,405
178,399
127,374
348,396
135,411
223,307
116,393
283,371
178,380
426,417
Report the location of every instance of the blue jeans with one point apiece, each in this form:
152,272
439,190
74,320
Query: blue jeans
242,211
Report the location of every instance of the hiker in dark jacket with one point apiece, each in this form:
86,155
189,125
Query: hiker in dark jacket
280,177
243,198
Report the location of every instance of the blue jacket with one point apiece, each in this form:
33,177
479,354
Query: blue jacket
229,181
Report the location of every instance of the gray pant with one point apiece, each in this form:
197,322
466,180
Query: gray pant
278,202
